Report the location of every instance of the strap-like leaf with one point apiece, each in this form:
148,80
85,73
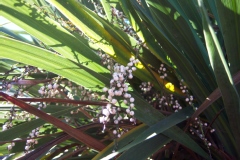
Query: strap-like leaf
223,76
35,56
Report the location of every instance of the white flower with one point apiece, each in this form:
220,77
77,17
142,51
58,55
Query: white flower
114,132
55,86
108,106
131,113
9,86
4,127
41,92
9,147
110,91
132,105
114,101
105,112
119,85
105,89
132,59
113,110
120,118
130,64
131,99
49,86
132,120
134,68
130,76
101,119
27,148
115,78
116,121
125,101
103,97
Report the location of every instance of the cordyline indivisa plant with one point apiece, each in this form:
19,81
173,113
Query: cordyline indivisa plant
119,79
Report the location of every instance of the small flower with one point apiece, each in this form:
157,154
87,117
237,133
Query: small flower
41,92
132,105
55,86
130,76
27,148
4,127
101,119
114,132
131,99
9,86
105,112
105,89
9,147
131,113
114,101
116,121
132,120
50,86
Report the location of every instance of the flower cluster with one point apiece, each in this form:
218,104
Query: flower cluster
106,60
119,88
6,126
31,139
197,127
10,146
49,91
189,98
162,71
170,101
99,9
146,87
15,115
159,100
116,13
24,72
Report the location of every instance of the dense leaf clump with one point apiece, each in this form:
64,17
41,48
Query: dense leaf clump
120,79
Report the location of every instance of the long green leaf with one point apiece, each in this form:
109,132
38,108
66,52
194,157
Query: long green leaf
223,76
49,61
143,32
145,149
165,124
231,33
51,33
122,141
